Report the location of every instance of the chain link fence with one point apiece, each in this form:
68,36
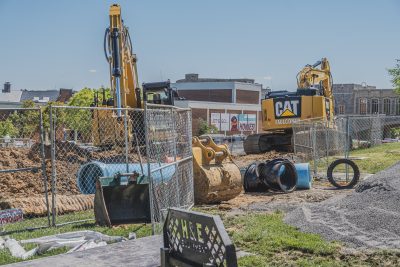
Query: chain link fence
70,147
169,142
24,170
321,143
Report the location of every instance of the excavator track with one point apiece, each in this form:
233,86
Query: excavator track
264,142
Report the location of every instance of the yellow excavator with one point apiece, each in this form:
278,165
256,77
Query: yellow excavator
313,100
216,176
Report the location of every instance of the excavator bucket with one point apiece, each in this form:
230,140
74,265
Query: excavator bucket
121,191
216,177
121,204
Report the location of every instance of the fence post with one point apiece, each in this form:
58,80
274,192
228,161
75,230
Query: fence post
327,144
44,173
294,138
126,140
314,140
53,167
146,130
348,141
174,133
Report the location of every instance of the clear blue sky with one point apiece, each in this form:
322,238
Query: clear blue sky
52,44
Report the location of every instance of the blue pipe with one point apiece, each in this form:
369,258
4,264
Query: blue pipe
304,179
89,172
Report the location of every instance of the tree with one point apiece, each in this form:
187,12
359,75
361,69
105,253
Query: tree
205,128
7,128
85,97
81,119
395,73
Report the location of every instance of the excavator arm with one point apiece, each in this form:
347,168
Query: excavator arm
122,62
310,75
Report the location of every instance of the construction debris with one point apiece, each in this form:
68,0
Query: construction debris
17,250
77,241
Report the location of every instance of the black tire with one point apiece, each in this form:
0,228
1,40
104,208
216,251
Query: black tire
353,181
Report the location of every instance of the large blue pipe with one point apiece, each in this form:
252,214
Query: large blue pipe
304,179
89,172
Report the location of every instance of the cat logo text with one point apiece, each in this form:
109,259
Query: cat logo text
287,108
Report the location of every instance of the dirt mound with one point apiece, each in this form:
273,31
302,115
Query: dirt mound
17,189
28,183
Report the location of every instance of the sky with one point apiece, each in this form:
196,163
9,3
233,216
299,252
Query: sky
59,44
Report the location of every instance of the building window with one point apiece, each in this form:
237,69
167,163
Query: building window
398,106
374,106
363,106
386,106
341,109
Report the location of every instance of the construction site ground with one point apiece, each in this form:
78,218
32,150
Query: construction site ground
255,221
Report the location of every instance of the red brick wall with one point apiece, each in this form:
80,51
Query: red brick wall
220,95
247,97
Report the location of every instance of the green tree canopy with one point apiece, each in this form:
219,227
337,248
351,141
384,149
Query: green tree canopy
395,73
85,97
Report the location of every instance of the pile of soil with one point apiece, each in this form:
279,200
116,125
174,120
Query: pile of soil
30,183
366,218
26,189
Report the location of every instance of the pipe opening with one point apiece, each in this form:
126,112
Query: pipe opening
277,175
87,178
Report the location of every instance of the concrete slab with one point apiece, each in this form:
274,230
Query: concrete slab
141,252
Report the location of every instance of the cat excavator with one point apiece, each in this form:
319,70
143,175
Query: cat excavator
313,100
216,176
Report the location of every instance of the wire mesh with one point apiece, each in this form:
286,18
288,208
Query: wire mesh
23,170
71,147
321,143
168,133
89,143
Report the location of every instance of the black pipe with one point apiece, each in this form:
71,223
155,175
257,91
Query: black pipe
278,175
251,181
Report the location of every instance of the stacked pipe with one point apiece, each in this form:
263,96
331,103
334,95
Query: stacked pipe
277,175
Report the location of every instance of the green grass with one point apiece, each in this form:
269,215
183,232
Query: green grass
274,243
266,236
377,158
141,230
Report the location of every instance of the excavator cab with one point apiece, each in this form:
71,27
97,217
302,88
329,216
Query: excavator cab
158,93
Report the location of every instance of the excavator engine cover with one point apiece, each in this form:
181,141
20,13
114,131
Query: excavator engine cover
117,203
216,177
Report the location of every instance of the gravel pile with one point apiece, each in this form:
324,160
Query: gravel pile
367,218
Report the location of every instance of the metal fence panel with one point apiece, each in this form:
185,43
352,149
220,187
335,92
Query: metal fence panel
23,169
91,142
169,154
51,160
321,143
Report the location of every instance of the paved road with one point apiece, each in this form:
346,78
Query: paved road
142,252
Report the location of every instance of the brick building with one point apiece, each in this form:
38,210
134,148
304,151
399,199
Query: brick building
362,99
237,101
